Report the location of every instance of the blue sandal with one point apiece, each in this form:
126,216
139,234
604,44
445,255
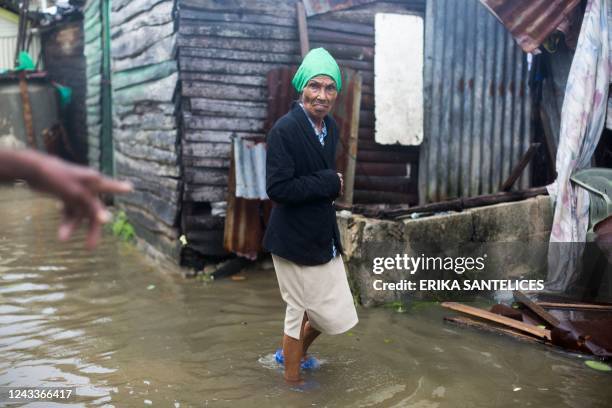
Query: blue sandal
310,363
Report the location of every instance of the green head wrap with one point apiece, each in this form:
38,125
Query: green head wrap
317,62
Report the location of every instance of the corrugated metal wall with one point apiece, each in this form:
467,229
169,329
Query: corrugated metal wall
477,103
8,42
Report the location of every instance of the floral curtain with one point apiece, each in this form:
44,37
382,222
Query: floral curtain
582,121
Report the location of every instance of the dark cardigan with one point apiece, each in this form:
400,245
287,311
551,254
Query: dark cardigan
301,179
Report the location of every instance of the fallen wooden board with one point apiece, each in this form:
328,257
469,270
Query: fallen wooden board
535,308
469,322
483,314
577,306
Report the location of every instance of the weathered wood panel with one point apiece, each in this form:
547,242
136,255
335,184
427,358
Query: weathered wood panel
145,153
221,123
240,108
162,50
204,193
161,139
223,91
240,44
92,52
205,149
271,7
159,91
210,176
148,73
133,43
161,13
131,11
145,121
145,128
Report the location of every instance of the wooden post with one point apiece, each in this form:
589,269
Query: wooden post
518,169
346,114
303,28
551,147
27,110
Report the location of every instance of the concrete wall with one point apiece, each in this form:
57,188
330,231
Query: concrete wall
513,235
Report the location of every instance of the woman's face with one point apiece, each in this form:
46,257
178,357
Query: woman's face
319,96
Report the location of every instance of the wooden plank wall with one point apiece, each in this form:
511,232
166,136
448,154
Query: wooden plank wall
383,174
65,63
225,49
145,129
92,34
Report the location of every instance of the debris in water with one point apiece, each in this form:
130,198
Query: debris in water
597,365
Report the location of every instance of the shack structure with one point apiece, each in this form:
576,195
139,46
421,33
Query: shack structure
170,82
64,62
55,44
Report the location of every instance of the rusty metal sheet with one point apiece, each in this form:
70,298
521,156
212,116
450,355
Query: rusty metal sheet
245,226
245,218
531,21
314,7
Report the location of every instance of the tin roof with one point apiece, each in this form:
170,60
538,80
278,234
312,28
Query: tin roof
531,21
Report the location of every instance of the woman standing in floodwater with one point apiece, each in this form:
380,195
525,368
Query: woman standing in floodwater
302,234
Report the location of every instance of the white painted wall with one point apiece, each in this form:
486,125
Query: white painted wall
398,79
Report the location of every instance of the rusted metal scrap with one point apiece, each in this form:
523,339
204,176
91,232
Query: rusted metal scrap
588,331
531,21
581,336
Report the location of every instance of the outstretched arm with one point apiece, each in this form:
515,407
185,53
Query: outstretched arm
76,186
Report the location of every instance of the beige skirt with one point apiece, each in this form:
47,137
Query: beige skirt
322,291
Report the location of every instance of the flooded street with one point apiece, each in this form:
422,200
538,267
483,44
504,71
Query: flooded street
126,334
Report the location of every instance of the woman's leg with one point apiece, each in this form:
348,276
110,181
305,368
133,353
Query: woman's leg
293,351
310,334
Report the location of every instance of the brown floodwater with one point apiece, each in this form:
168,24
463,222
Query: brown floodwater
128,334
